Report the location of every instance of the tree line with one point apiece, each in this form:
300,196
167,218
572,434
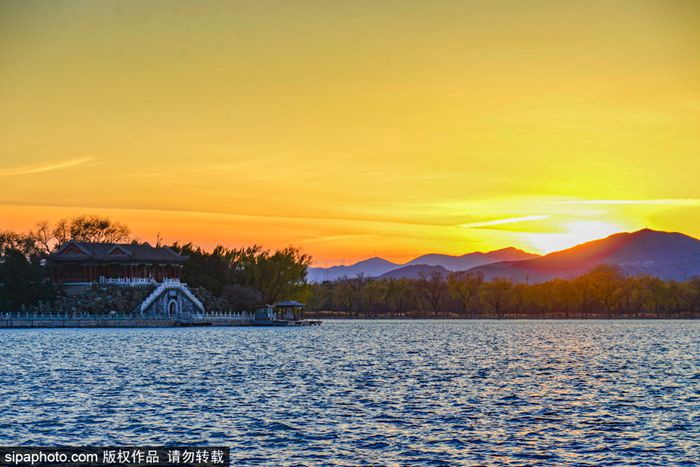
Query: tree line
235,279
226,279
604,292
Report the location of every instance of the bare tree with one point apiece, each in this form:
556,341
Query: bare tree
97,229
433,292
61,231
44,238
496,294
465,287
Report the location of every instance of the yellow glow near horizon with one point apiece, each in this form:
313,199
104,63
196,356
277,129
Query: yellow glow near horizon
575,233
353,129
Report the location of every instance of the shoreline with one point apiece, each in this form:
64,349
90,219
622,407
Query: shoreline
110,323
87,321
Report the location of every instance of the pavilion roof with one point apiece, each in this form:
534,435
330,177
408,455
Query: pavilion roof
74,251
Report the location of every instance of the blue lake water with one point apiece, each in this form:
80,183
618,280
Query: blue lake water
359,392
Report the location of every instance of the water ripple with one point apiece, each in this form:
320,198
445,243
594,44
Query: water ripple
350,393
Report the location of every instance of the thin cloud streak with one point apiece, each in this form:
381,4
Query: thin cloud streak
224,214
49,167
661,201
509,220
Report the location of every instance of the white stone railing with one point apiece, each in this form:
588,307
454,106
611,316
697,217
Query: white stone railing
242,317
130,281
230,316
50,316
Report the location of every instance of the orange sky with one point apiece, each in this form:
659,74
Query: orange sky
353,128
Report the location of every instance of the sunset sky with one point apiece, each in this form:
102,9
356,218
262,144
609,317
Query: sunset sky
353,128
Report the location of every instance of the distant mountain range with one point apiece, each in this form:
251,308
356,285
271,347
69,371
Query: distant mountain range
472,260
372,267
379,267
668,255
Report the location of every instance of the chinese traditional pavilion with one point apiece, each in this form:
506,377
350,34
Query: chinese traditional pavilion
83,263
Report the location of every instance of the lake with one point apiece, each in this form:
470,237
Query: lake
358,392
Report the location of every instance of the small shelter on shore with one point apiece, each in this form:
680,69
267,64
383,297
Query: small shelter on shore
288,310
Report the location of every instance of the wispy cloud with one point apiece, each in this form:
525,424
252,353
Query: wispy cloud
661,201
508,220
45,167
294,218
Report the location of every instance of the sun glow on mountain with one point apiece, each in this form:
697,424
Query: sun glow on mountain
576,233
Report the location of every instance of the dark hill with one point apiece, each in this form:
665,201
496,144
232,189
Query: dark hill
471,260
415,271
376,267
668,255
372,267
